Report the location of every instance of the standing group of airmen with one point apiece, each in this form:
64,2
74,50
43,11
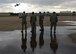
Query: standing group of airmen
33,19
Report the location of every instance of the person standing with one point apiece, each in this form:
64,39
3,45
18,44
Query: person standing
24,23
33,22
53,20
41,18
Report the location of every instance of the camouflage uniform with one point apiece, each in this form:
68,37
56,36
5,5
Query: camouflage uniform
24,23
33,22
53,20
41,18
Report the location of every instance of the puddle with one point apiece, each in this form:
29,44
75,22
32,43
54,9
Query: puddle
70,22
15,42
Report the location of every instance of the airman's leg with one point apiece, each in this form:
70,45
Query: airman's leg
25,27
55,28
51,27
22,27
41,26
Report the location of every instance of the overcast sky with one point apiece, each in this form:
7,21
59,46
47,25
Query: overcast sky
37,5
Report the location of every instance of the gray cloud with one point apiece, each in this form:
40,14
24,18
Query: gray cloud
42,5
6,8
71,4
39,2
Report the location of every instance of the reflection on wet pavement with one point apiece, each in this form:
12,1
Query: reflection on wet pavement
39,42
53,43
24,41
41,39
70,22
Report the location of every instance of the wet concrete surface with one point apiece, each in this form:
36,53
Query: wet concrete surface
13,42
70,22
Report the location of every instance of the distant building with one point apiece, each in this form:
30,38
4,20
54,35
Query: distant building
4,14
65,11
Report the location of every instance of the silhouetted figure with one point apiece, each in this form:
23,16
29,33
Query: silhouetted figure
24,40
53,20
41,18
44,12
41,39
33,22
73,13
48,13
33,42
53,43
24,23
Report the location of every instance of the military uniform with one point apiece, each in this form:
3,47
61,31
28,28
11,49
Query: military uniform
41,18
53,20
24,23
33,22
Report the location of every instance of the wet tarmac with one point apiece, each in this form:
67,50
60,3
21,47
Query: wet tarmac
14,42
70,22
